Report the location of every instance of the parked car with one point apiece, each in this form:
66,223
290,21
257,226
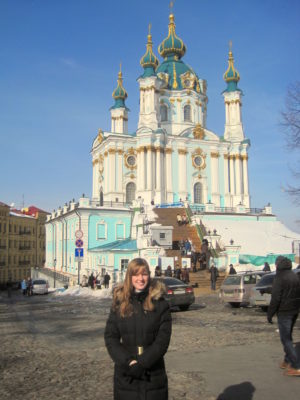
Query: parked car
261,292
40,286
177,293
236,289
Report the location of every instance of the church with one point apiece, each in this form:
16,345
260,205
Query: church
172,155
171,160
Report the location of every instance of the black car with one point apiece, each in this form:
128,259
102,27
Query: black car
178,293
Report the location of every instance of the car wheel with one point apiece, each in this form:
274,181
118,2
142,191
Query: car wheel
235,305
184,308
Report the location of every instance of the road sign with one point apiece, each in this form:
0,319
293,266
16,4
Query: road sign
79,243
79,252
78,234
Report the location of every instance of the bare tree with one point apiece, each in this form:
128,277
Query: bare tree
290,121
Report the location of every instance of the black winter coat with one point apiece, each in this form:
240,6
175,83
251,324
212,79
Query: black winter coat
150,329
285,298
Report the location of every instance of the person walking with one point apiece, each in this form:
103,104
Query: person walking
137,335
9,287
29,287
24,287
285,302
106,280
187,247
232,270
213,277
157,271
168,271
266,267
185,276
179,219
177,272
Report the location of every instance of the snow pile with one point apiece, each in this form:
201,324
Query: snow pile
79,291
255,237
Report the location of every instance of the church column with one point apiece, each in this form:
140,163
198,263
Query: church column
112,169
106,177
158,169
149,167
245,173
231,174
238,174
142,174
182,173
215,177
120,172
168,174
95,178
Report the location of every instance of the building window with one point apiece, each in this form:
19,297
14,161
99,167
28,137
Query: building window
124,264
162,235
163,113
187,114
130,192
198,193
120,231
101,231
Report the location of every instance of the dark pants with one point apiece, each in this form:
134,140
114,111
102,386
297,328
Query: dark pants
106,285
213,285
286,324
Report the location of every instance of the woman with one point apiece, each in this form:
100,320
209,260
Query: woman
137,335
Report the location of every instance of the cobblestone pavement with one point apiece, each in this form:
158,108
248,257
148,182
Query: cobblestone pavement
53,348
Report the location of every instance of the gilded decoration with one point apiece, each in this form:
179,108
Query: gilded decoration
182,151
100,136
95,162
130,158
172,100
244,157
198,159
164,77
120,151
105,154
179,100
168,151
175,85
198,132
187,80
132,176
112,151
214,154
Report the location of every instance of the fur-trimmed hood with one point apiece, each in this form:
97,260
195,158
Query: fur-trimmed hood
156,289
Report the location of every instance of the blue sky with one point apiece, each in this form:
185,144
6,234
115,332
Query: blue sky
59,61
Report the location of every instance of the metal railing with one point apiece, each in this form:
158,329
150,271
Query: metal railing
112,204
199,209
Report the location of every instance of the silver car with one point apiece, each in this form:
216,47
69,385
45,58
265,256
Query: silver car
40,286
236,289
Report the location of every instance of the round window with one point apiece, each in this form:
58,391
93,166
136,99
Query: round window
131,161
198,161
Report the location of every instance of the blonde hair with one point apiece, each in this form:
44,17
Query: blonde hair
122,293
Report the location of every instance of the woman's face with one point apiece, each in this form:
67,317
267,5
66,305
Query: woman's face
140,279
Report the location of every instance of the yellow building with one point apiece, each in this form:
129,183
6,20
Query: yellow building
22,241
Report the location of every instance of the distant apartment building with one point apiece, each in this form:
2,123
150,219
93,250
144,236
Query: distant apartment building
22,241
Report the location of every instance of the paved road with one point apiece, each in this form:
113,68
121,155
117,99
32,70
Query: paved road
53,348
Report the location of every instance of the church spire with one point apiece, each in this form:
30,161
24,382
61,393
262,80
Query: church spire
120,94
231,76
172,45
149,61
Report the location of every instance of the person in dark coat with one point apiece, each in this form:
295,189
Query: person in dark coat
137,335
168,271
213,277
157,271
177,272
285,302
266,267
232,270
106,280
185,276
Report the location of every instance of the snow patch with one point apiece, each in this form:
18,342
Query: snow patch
79,291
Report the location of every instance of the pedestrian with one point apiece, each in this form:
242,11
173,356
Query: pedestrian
90,280
94,282
285,302
24,287
213,277
179,220
9,287
168,271
184,220
157,271
205,255
232,270
185,276
29,286
187,247
266,267
106,280
137,335
177,272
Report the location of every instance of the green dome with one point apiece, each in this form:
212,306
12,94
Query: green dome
119,94
231,76
149,61
172,45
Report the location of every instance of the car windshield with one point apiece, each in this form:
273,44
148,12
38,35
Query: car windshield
232,280
39,282
266,280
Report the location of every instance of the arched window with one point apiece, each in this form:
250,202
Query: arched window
130,192
163,113
198,193
187,113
